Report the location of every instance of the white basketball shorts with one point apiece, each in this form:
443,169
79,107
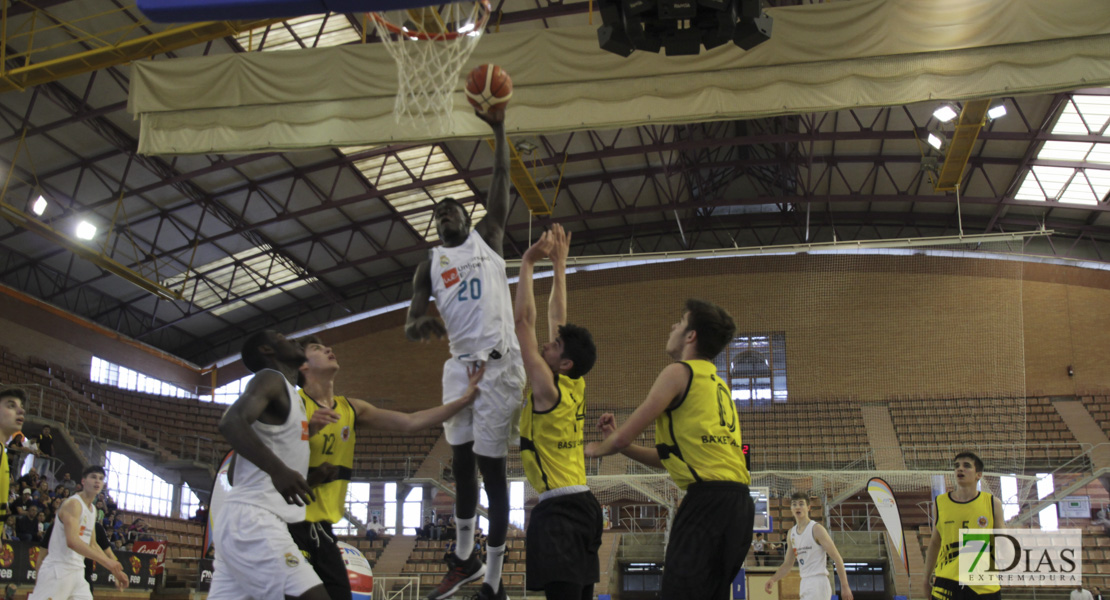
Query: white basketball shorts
815,588
256,557
60,583
493,421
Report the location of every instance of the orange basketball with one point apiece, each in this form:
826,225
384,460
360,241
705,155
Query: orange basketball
488,88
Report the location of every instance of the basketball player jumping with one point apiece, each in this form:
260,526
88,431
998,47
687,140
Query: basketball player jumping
697,439
810,544
564,532
62,574
467,277
332,420
267,427
964,508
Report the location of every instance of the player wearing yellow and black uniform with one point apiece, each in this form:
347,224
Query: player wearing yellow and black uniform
332,422
697,436
963,508
11,421
564,533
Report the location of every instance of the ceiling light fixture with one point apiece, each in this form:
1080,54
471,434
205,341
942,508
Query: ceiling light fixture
39,206
86,230
935,139
997,112
945,113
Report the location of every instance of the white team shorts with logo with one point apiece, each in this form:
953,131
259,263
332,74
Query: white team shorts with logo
815,588
256,557
60,583
493,421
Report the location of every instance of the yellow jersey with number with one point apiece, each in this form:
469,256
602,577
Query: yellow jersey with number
952,516
551,441
334,444
698,436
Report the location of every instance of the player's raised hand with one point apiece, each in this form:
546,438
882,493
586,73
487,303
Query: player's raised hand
560,244
428,326
475,373
292,487
323,417
540,249
607,424
121,578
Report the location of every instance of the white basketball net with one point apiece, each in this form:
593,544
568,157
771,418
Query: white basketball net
430,46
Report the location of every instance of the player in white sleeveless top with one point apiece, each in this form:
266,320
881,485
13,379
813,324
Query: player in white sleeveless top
267,427
62,574
467,277
810,545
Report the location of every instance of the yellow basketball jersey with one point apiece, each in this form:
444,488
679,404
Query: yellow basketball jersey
334,444
953,516
551,441
698,436
5,482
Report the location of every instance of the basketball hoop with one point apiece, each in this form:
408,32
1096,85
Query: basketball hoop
430,46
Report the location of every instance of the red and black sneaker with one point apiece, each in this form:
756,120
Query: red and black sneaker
459,573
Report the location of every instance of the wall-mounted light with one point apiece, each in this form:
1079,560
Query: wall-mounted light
1071,372
86,230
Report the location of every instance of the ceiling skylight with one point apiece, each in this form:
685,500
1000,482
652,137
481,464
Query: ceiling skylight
313,31
1085,115
388,171
242,274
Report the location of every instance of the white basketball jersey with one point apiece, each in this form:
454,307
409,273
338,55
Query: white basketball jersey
60,554
472,294
810,555
289,442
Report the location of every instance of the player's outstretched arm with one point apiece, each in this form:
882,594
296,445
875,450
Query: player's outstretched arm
670,384
784,568
607,424
418,325
544,391
821,536
368,415
492,226
70,516
557,304
264,388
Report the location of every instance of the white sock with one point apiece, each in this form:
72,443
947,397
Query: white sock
495,557
464,532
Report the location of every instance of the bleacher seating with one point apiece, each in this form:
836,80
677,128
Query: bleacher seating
426,562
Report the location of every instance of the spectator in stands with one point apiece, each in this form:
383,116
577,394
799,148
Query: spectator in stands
101,510
137,530
202,514
1081,594
11,420
26,526
425,532
69,483
59,491
55,505
759,546
374,529
1096,594
441,528
41,527
9,591
42,492
45,442
9,529
109,503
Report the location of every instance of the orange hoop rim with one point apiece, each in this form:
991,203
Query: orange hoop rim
479,25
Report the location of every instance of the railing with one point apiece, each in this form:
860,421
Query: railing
62,411
384,588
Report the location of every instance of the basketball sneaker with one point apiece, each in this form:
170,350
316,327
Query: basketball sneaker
459,573
487,593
